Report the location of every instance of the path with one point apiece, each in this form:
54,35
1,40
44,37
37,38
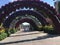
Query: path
31,38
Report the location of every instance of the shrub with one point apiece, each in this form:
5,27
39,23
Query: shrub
40,28
2,30
3,36
49,29
13,30
8,32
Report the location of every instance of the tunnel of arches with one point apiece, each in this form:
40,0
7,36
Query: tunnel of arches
30,21
13,23
7,21
38,9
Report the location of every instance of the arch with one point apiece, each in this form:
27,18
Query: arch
27,20
39,5
7,22
44,7
12,24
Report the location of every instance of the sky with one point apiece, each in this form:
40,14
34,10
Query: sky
3,2
51,2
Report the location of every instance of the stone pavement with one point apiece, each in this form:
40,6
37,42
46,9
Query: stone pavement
31,38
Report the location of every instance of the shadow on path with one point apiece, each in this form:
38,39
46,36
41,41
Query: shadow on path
38,38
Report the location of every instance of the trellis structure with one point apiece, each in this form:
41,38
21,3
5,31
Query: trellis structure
40,11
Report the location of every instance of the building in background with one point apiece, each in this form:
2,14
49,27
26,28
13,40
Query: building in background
57,6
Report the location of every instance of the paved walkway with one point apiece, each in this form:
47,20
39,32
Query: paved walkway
31,38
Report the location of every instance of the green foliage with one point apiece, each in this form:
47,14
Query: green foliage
47,29
3,36
2,30
13,30
8,32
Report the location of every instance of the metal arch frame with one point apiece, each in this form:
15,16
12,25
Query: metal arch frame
41,18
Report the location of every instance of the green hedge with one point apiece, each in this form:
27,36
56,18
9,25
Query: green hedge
3,36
